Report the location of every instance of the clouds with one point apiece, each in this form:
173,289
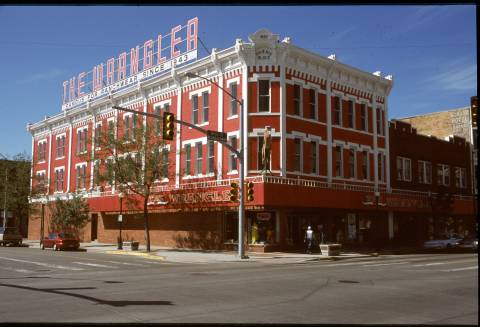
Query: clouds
43,76
458,75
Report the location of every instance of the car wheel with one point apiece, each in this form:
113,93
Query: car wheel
42,246
55,247
449,246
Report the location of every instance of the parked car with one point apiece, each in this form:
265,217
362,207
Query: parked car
60,241
469,242
10,235
443,242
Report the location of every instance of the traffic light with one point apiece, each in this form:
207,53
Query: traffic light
473,110
234,192
250,191
168,126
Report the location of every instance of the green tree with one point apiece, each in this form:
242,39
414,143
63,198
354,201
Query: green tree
17,188
70,215
134,162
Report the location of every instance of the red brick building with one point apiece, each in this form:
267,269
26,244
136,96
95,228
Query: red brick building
330,152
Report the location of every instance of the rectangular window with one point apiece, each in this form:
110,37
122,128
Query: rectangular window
381,165
460,177
232,162
379,122
297,99
233,102
81,177
443,174
337,111
404,169
211,157
164,163
313,157
195,109
96,173
365,165
351,163
81,141
199,158
351,115
364,117
41,151
298,155
312,103
128,127
188,158
205,102
338,161
98,135
59,180
110,171
61,146
424,172
263,95
158,122
41,182
111,129
134,127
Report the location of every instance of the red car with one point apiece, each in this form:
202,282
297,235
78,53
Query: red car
60,241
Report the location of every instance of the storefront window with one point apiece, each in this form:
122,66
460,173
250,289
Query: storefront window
262,228
231,228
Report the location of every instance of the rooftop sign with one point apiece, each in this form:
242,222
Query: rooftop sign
158,56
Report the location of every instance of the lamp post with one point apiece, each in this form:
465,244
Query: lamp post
241,159
120,220
4,223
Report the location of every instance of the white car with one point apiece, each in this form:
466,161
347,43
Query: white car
442,242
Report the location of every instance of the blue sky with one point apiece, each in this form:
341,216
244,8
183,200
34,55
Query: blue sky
429,50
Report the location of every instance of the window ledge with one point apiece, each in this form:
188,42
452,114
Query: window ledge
59,158
232,117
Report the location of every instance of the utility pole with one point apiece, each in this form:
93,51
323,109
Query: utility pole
5,193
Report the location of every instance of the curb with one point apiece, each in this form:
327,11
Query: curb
138,254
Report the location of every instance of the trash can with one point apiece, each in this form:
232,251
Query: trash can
134,246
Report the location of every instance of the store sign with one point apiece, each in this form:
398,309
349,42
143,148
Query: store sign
191,197
264,216
407,203
143,63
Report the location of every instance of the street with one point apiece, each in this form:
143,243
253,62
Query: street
48,286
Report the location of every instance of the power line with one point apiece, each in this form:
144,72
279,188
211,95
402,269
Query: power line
396,46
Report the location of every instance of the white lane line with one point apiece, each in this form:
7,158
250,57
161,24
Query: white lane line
43,264
387,264
93,265
128,264
348,264
460,269
18,270
430,264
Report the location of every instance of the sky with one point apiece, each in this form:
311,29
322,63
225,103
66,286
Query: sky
429,50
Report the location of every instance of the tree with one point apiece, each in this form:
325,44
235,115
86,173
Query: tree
70,215
134,162
18,187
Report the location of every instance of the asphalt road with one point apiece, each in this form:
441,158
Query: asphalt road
47,286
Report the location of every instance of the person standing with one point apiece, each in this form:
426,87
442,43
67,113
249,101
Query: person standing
309,239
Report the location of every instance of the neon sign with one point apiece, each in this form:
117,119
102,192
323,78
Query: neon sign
156,58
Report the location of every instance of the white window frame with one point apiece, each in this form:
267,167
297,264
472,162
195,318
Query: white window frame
198,159
441,178
298,157
340,118
366,160
59,137
364,105
300,99
340,146
44,146
350,152
314,159
315,103
56,170
231,155
233,81
81,165
460,182
269,94
405,174
423,176
351,101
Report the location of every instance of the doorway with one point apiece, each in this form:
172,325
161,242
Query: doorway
94,225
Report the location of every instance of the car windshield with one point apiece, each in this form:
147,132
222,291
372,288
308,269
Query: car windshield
66,235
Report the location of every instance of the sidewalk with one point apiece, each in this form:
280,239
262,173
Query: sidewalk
199,256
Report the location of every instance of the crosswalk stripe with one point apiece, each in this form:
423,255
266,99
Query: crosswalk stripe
43,264
94,265
430,264
348,264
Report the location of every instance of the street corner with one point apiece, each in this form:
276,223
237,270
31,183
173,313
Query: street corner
146,255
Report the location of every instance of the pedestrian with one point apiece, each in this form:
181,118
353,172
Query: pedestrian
309,240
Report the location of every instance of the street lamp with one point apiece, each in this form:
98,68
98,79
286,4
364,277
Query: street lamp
5,194
120,219
241,159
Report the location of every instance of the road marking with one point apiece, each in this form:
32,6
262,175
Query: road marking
43,264
348,264
387,264
18,270
460,269
430,264
130,264
93,265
